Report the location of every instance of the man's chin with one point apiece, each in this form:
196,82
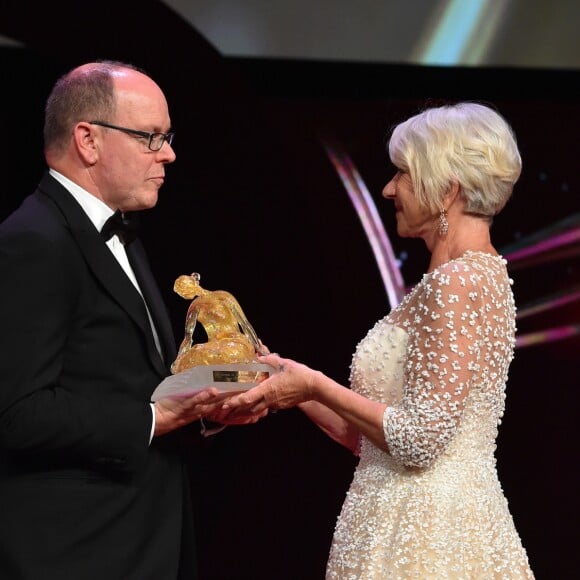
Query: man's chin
145,200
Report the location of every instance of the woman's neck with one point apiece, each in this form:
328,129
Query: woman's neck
465,233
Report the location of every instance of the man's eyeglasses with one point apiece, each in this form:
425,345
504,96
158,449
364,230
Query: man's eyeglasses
154,140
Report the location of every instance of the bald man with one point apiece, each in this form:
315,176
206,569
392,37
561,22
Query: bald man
92,485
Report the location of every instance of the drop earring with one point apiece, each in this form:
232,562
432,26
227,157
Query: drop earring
443,223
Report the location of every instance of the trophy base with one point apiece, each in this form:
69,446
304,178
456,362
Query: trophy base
228,379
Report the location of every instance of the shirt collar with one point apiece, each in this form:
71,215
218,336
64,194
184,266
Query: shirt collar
97,211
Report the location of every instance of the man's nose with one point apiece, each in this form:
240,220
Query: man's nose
167,153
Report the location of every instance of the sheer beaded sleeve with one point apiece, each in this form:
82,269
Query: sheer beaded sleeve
444,323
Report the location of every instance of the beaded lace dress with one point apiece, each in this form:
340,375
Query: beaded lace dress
434,507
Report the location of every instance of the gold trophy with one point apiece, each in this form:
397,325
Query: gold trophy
227,360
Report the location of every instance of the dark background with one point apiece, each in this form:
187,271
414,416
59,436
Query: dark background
255,206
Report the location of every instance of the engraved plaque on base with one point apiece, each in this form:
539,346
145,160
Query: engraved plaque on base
228,379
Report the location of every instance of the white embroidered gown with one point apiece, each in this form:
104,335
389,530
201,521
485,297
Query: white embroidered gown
434,508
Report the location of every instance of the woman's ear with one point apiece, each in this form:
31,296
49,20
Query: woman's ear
451,194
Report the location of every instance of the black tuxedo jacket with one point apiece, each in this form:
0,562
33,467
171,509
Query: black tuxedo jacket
83,494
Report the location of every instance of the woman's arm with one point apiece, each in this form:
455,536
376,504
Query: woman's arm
332,424
443,356
340,412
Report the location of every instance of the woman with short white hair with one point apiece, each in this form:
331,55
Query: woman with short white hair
428,380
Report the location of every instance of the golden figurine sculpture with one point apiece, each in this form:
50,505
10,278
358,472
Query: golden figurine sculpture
231,338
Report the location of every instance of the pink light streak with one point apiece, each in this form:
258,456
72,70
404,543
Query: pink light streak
548,335
546,245
548,304
371,222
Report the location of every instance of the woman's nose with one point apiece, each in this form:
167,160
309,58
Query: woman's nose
389,190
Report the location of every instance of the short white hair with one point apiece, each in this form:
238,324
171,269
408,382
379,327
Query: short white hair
468,143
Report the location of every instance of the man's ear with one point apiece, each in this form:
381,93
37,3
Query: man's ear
86,142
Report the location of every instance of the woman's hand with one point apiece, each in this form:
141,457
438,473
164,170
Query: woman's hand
232,417
294,383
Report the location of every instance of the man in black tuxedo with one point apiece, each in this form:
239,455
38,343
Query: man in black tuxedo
92,485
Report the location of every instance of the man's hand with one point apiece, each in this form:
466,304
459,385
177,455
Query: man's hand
171,414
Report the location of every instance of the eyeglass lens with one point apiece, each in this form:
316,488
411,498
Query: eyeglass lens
157,139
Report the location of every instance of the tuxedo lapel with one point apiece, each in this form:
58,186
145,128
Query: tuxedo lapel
152,295
104,265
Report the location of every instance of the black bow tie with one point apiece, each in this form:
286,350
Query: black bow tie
124,225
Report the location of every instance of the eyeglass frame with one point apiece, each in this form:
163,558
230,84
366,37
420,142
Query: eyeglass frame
166,137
